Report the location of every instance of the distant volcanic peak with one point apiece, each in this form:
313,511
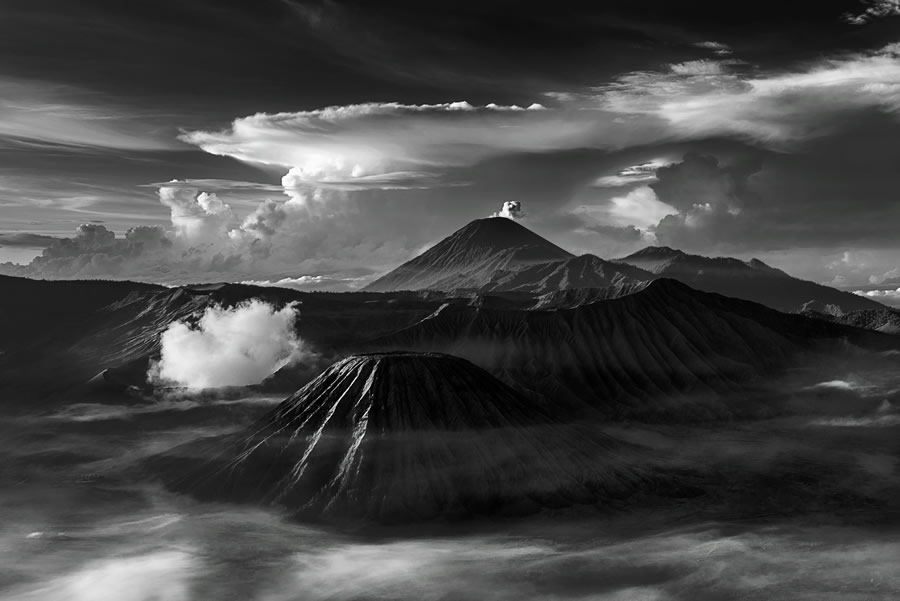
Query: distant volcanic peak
469,257
501,233
655,252
751,280
671,256
402,391
663,261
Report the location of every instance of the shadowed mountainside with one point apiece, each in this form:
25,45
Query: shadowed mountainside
882,320
585,271
78,329
661,351
404,437
664,352
750,280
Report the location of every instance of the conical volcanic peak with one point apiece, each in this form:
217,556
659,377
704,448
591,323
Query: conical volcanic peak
500,233
405,436
469,257
393,392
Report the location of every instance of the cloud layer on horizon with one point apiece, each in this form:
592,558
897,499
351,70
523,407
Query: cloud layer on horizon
327,223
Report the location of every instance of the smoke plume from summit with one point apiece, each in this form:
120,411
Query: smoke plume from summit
511,209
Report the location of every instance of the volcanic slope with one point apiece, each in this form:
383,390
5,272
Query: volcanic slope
585,271
470,257
665,352
883,320
750,280
405,437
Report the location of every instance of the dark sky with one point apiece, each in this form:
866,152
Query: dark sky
326,141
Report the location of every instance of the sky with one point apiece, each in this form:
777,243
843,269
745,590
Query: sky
321,143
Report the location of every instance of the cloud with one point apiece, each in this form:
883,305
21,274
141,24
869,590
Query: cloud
44,113
640,207
25,239
700,68
162,575
229,347
330,214
893,274
94,251
608,229
627,235
382,144
720,98
716,47
888,297
310,282
321,232
710,201
644,172
511,209
836,385
197,218
877,9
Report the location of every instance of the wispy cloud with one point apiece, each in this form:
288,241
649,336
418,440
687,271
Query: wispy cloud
892,274
386,145
25,239
633,174
710,98
877,9
311,282
394,145
716,47
40,113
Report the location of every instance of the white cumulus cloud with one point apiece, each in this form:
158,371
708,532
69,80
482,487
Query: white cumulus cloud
229,347
889,296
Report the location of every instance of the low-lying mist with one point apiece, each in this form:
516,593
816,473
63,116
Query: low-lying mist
79,525
172,552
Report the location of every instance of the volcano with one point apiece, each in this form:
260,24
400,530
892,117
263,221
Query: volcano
751,280
405,436
470,257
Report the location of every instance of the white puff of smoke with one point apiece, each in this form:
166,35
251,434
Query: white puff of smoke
229,347
512,209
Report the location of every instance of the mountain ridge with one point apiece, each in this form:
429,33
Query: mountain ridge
666,351
498,254
751,280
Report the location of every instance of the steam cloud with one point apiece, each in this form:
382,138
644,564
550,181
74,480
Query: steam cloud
229,347
511,209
